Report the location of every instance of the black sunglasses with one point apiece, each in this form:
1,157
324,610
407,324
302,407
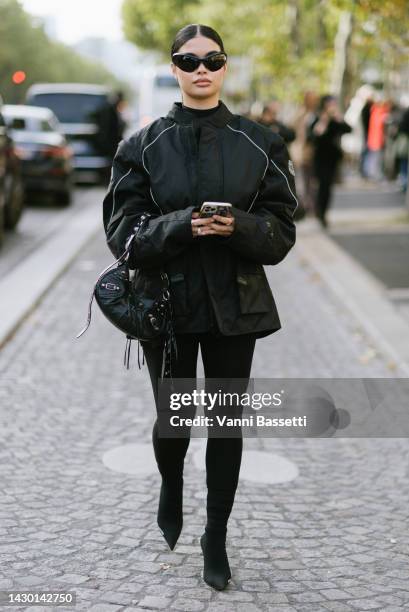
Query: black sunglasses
189,62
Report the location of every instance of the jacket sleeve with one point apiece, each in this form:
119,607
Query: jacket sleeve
267,232
128,197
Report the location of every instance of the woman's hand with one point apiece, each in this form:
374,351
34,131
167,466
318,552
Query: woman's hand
216,225
321,125
199,225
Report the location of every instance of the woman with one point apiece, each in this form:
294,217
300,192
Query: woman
220,294
325,133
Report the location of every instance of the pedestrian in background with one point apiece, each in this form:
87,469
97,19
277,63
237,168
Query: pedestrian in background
325,134
111,124
302,150
269,118
220,295
365,116
376,138
402,149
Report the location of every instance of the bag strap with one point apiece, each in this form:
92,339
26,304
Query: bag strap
123,257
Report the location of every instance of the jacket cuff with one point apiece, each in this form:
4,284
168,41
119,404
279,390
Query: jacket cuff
245,226
176,224
184,226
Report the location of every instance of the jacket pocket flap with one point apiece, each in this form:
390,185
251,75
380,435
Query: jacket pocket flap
254,293
178,294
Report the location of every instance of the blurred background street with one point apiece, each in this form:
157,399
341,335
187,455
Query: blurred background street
318,524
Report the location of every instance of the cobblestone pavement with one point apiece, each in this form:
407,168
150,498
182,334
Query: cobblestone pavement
334,538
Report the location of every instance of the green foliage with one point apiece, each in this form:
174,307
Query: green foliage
25,46
291,42
151,25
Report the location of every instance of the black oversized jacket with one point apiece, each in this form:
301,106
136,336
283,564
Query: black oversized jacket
171,166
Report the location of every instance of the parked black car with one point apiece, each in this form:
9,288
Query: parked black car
80,109
11,186
47,160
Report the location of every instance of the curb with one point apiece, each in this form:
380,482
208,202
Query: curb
27,284
359,291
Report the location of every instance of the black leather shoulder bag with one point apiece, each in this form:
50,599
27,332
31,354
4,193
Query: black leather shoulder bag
137,302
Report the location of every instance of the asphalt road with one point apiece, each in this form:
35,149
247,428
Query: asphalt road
384,254
40,221
383,250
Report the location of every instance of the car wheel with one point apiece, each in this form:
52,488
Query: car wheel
15,204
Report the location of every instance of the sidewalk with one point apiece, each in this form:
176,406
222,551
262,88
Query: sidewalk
363,258
30,267
318,524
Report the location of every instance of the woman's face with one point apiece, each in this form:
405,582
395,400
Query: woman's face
331,107
188,81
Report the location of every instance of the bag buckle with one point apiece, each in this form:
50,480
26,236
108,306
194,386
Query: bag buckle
110,286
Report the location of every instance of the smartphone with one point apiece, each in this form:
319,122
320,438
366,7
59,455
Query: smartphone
215,208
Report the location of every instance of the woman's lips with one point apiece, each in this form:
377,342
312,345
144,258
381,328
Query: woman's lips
202,83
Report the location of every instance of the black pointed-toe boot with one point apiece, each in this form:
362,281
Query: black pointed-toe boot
170,510
216,572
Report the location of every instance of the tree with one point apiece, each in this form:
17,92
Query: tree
290,42
25,46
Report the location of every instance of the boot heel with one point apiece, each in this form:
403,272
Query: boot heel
216,570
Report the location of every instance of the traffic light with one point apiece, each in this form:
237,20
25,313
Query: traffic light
18,77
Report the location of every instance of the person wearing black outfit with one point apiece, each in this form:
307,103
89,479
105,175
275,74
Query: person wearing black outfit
269,118
110,124
364,117
325,133
220,294
402,152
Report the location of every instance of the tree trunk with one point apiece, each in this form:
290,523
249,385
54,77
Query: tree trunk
294,15
342,73
322,32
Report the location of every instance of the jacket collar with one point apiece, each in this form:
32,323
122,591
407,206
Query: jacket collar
219,118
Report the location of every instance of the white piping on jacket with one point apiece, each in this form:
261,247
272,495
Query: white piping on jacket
153,142
113,194
143,160
161,212
266,156
288,184
253,200
263,152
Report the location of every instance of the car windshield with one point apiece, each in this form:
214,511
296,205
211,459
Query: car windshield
71,107
30,124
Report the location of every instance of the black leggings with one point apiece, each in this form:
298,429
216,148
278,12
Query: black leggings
326,176
223,357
